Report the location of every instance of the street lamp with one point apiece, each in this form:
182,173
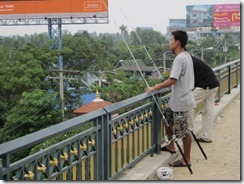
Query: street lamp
225,50
202,51
238,45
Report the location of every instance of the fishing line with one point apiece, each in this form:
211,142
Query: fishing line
142,43
38,87
132,55
21,117
173,136
167,142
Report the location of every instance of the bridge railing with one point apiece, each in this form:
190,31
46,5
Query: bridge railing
119,137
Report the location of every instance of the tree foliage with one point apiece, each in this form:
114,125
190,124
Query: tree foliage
126,86
35,111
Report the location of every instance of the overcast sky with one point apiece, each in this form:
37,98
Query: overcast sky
131,13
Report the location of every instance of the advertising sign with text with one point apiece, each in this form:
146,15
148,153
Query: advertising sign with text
18,9
226,15
217,15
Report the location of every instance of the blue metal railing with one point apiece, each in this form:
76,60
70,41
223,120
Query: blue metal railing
121,135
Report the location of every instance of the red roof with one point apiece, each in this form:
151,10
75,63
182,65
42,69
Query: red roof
92,106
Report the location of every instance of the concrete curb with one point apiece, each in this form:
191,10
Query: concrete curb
146,169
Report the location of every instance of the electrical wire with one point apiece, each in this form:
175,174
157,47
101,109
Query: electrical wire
19,104
138,37
24,122
11,130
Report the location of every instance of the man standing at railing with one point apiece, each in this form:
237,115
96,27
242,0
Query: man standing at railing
181,98
206,86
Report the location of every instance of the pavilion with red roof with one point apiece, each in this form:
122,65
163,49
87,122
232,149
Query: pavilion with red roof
94,105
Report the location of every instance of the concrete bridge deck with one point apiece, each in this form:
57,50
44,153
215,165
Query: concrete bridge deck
224,156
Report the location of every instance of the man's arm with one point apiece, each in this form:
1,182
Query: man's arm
165,84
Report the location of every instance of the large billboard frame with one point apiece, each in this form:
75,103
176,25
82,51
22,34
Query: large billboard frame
45,9
216,15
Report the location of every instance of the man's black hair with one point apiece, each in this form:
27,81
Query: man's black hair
181,36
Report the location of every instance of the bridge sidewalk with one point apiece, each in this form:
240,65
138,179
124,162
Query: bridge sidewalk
226,139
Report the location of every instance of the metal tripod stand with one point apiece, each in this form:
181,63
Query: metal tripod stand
179,148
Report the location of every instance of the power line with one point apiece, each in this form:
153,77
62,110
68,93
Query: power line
19,104
67,72
27,112
26,115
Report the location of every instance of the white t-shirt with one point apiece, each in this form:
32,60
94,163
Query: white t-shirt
181,97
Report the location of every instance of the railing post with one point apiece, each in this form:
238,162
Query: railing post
104,138
237,71
100,151
5,164
157,129
1,169
229,79
219,90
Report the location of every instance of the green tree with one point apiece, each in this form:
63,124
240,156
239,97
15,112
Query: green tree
19,72
125,86
124,30
35,111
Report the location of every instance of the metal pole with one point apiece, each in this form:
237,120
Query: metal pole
225,51
51,33
60,61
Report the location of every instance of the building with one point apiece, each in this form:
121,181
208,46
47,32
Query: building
130,66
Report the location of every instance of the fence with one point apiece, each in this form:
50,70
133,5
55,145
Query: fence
110,146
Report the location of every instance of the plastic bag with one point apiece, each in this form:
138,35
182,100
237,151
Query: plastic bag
165,173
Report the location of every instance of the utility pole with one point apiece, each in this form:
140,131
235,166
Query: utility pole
55,33
67,72
164,57
164,62
61,74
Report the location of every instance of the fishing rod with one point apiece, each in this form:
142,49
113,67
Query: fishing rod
167,125
194,136
142,45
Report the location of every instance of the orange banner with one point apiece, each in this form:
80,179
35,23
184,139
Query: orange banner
25,7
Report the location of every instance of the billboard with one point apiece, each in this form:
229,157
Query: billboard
226,15
199,16
21,9
218,15
176,24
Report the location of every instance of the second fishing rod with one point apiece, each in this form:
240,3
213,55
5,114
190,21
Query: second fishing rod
167,125
144,47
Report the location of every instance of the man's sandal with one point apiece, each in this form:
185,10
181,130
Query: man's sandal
202,140
178,163
165,149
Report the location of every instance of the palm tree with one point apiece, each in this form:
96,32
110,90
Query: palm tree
124,30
